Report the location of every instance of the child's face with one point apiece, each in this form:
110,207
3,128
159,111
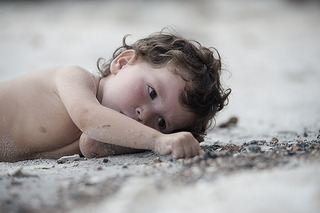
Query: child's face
146,94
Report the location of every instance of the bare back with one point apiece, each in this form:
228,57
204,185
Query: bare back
33,120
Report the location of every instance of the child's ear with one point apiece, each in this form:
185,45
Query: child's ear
126,57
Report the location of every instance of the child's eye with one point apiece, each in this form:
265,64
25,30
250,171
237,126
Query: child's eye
161,123
152,92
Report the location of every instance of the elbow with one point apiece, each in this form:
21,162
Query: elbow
91,148
86,145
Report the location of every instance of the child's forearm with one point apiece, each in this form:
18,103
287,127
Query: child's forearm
91,148
124,131
117,129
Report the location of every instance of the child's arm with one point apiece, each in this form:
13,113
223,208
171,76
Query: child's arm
94,149
77,89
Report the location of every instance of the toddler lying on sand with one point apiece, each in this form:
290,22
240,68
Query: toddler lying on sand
159,94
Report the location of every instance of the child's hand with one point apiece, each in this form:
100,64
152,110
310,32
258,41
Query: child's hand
179,145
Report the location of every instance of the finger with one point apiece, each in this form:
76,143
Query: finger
196,149
189,149
193,151
178,152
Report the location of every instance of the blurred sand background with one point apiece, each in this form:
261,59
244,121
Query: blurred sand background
271,50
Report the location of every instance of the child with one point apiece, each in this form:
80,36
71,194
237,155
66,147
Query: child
158,94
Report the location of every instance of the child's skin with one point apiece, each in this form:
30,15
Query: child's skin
65,110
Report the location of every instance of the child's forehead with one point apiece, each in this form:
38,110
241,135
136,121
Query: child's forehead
171,67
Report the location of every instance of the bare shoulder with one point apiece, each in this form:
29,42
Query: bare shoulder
75,79
74,73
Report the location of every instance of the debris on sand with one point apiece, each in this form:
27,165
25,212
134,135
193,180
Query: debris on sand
18,172
256,154
70,158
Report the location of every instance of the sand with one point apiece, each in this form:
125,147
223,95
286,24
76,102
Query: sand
267,162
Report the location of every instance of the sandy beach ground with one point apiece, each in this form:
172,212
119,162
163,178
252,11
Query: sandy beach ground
269,161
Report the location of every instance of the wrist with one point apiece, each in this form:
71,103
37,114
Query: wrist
155,140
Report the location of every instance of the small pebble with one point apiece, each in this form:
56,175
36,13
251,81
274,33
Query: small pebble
258,142
305,134
254,148
296,149
157,160
105,160
125,165
274,140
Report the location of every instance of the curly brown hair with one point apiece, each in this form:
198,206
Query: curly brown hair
197,65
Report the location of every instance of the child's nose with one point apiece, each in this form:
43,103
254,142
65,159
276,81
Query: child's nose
139,112
144,115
